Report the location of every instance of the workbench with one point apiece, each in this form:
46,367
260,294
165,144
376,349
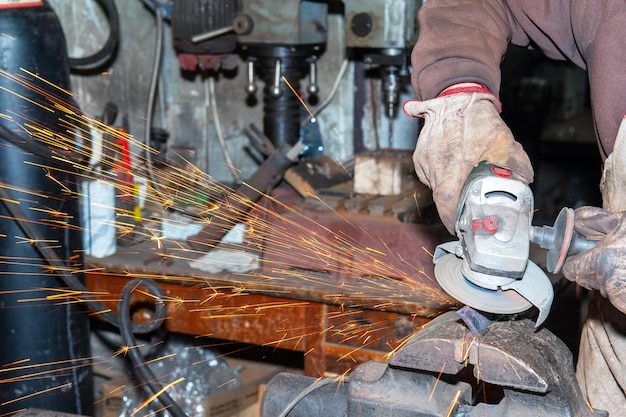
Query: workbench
359,308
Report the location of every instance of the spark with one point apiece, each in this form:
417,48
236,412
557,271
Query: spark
230,381
375,251
26,99
160,358
69,93
34,241
103,311
453,404
156,395
512,366
63,186
122,351
402,343
36,365
346,261
428,252
34,394
158,240
436,382
295,93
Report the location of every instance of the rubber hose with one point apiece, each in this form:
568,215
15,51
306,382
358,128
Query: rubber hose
141,368
108,49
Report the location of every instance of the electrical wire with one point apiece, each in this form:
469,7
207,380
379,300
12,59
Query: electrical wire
141,368
108,49
218,131
306,391
154,80
37,148
333,90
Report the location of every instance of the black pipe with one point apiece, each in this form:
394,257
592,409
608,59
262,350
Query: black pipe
44,342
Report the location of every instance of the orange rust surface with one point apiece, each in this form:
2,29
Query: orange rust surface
331,338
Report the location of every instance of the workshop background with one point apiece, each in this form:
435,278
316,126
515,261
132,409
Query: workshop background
326,262
184,104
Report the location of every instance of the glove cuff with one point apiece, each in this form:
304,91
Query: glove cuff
474,88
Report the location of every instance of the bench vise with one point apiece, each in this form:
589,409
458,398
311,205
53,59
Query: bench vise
505,369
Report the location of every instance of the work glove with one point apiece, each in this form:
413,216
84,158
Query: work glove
461,129
603,267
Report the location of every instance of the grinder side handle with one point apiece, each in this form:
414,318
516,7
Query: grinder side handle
561,240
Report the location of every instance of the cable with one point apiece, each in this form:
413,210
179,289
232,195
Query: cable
218,132
141,368
36,148
49,254
156,69
333,89
108,49
315,385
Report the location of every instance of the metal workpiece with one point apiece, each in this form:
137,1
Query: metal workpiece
330,400
377,389
534,368
515,372
373,389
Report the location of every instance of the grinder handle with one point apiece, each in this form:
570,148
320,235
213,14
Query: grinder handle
561,240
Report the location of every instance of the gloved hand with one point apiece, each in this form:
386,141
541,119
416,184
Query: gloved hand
602,268
460,130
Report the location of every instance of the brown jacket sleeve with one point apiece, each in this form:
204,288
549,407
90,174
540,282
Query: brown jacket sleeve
459,41
465,40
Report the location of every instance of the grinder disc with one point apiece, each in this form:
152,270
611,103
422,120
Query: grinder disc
448,275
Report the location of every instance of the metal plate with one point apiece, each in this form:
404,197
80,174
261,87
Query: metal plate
448,275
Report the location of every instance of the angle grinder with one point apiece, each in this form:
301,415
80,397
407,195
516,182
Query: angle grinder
488,268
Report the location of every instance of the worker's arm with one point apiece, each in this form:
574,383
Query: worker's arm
459,41
456,70
465,40
462,127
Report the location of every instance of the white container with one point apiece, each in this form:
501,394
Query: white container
98,214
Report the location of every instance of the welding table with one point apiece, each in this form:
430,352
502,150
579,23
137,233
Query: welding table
337,319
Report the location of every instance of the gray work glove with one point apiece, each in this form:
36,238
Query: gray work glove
461,130
602,268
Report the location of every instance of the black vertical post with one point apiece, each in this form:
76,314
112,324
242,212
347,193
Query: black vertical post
44,343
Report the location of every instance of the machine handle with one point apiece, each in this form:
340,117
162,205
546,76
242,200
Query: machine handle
561,240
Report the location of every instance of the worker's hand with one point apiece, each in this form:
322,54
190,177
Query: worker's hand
602,268
460,130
